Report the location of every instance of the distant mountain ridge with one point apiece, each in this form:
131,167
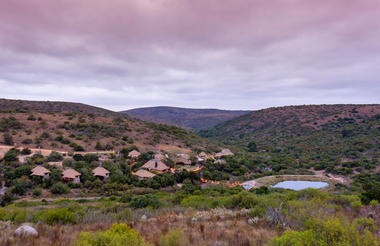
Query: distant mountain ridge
188,118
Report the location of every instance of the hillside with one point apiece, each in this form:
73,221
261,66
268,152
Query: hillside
7,105
331,137
77,127
195,119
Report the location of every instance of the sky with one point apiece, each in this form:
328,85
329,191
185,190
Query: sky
227,54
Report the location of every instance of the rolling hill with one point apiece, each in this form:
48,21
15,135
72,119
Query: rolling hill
194,119
78,127
314,136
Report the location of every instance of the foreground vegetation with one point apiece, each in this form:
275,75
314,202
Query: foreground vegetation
199,217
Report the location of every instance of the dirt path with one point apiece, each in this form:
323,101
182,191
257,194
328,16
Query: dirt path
58,198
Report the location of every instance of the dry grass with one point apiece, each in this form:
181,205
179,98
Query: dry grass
216,227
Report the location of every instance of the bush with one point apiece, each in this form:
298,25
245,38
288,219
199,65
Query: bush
27,141
174,238
8,139
37,192
144,201
59,188
242,200
16,216
11,155
54,157
330,232
118,235
26,151
59,216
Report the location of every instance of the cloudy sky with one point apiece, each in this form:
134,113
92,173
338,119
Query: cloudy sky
230,54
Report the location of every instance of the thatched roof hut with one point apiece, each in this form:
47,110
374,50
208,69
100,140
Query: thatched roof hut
101,172
202,155
221,161
183,159
156,165
134,154
143,174
224,152
159,157
40,171
71,175
57,164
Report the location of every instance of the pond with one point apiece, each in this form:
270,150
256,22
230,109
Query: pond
300,185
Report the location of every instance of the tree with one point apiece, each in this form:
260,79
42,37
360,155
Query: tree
55,156
99,146
59,188
11,155
252,147
8,139
26,151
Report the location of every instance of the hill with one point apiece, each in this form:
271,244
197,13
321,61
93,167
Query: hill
78,127
52,107
195,119
332,137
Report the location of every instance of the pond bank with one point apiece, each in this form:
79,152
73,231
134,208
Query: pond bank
271,180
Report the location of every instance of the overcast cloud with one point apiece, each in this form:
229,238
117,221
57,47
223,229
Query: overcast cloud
231,54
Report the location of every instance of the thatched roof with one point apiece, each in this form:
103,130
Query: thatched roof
202,155
159,157
57,164
100,171
224,152
155,165
183,160
184,156
134,154
39,171
144,174
220,162
70,174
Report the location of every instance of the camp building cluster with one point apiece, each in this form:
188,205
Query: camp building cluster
156,165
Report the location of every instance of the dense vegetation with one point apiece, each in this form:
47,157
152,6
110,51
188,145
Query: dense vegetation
187,207
88,132
231,216
340,139
16,175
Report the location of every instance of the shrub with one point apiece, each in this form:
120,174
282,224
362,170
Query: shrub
55,156
174,238
16,216
27,141
118,235
37,192
26,151
59,216
60,188
8,139
126,214
144,201
331,232
242,200
11,155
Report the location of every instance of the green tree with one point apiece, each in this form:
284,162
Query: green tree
252,147
8,139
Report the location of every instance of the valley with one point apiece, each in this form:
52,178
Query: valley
76,176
